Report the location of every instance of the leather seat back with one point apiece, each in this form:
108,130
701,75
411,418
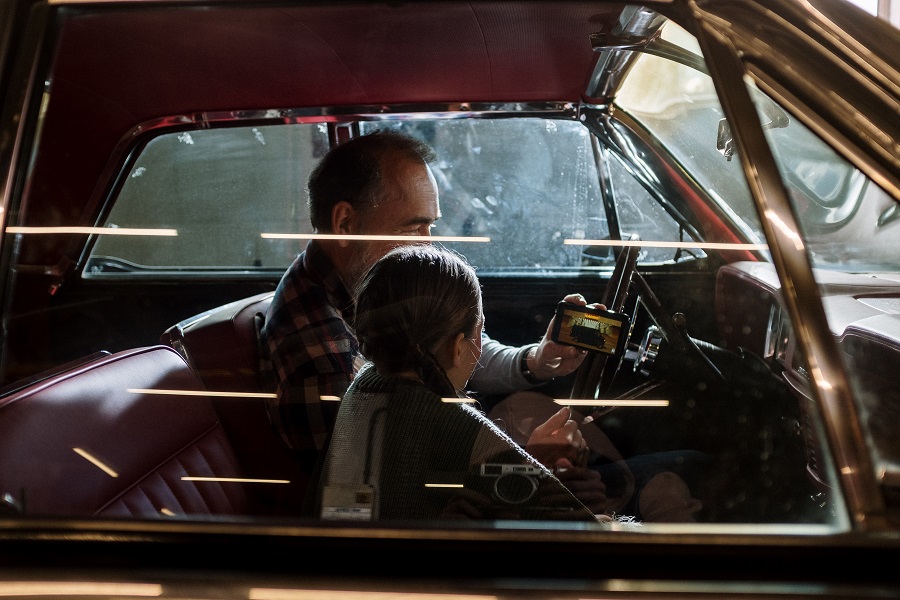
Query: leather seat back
116,437
223,345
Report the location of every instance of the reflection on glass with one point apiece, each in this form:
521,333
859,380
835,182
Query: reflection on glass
95,461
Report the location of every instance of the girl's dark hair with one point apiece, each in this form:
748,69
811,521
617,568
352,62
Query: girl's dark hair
408,302
354,172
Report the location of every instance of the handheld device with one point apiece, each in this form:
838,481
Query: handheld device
590,328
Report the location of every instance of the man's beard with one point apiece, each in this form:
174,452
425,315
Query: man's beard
362,256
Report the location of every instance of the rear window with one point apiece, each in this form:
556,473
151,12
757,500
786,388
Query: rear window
235,198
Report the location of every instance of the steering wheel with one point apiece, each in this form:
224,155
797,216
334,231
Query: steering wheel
598,368
595,374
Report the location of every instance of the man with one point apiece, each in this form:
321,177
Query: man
378,184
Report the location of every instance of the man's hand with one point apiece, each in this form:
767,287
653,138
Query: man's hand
550,359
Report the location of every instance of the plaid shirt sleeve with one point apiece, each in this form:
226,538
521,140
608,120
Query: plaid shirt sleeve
310,365
314,355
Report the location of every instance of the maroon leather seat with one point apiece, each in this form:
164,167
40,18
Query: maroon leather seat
100,439
223,346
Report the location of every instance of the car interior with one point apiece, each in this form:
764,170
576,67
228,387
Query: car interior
133,362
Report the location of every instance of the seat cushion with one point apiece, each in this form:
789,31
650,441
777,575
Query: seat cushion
222,345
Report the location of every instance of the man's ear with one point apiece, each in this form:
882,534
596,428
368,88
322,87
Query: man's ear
344,221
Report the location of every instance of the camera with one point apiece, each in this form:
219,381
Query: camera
511,484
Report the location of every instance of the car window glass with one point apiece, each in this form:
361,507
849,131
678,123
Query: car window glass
665,95
531,185
527,185
198,183
233,198
850,223
851,226
640,213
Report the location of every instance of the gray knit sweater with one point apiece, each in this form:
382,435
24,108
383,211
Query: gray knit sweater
398,452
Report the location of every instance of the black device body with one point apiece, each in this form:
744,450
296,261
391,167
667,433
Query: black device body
590,328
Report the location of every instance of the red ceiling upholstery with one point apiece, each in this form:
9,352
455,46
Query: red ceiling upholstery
114,72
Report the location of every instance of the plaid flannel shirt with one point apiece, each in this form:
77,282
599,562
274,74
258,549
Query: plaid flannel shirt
312,348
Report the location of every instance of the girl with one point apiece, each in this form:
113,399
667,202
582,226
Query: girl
407,444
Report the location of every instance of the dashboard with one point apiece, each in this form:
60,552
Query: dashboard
863,314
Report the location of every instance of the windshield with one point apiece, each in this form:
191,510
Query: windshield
845,217
849,225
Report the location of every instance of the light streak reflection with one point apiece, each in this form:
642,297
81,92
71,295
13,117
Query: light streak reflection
283,594
375,238
662,244
165,392
231,479
605,402
94,231
95,461
78,588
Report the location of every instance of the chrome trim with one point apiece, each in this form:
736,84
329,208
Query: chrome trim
647,351
371,112
800,290
601,159
613,64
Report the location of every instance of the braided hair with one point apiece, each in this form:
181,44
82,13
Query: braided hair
411,301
